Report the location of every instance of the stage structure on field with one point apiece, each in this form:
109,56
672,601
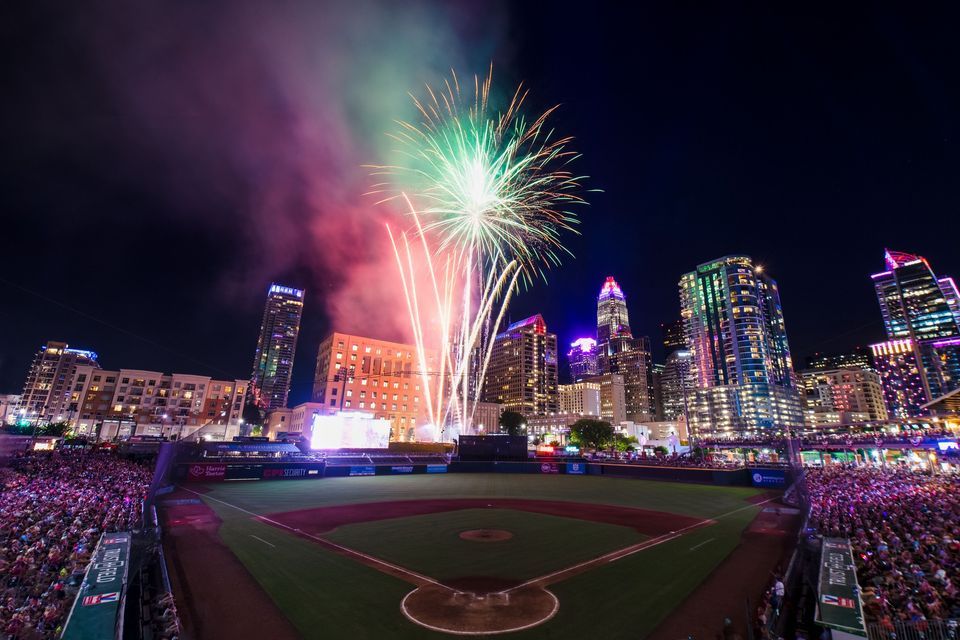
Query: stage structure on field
486,193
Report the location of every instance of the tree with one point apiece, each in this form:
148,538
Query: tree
624,443
591,434
660,450
512,423
55,428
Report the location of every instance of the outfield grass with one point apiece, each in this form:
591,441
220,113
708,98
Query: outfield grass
326,595
431,544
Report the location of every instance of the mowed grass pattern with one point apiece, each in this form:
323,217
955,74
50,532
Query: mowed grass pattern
431,544
326,595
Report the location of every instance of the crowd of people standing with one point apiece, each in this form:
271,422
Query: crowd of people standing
54,506
904,529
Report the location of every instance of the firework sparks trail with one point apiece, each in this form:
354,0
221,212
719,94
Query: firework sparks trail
493,192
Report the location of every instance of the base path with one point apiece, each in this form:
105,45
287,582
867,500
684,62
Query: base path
216,596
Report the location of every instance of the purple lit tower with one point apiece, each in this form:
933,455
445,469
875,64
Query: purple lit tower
921,314
583,359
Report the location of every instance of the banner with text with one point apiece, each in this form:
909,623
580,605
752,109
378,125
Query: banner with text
838,598
94,613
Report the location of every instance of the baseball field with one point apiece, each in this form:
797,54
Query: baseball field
424,556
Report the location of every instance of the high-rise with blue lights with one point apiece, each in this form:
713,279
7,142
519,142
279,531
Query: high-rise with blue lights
273,363
48,388
740,357
924,309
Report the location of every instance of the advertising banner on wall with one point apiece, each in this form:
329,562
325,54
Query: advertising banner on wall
577,468
94,613
838,598
549,467
204,472
436,468
769,478
363,470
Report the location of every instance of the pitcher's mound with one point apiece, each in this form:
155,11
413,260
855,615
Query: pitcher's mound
486,535
466,608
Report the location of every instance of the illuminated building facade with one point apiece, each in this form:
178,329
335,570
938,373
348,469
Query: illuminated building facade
674,338
740,358
46,391
676,385
137,402
522,375
355,373
276,346
582,358
613,397
919,306
842,396
8,408
580,398
620,352
858,358
900,375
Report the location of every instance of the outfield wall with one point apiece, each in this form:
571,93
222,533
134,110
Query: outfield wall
226,471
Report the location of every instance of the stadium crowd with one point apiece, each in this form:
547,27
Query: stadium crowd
53,508
904,528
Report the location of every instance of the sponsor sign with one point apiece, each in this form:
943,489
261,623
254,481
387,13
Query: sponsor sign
407,469
839,594
363,470
94,613
769,478
284,472
549,467
436,468
576,468
103,598
206,472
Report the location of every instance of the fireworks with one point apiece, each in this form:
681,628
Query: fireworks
489,186
489,195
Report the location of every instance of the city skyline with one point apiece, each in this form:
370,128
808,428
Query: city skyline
223,202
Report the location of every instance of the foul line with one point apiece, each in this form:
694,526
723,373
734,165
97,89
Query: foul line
697,546
541,581
262,540
417,578
629,551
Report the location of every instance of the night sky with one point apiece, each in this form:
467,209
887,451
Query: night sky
163,162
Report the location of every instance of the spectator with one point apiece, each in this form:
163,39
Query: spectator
904,529
53,508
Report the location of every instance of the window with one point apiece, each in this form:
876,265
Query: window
125,381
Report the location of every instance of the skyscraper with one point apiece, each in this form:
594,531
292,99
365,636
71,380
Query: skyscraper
273,362
858,358
842,396
522,375
673,336
621,353
48,387
613,322
900,377
740,357
582,358
919,306
676,385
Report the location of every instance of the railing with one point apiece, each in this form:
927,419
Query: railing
920,630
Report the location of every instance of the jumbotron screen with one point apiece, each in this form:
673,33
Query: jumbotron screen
350,431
